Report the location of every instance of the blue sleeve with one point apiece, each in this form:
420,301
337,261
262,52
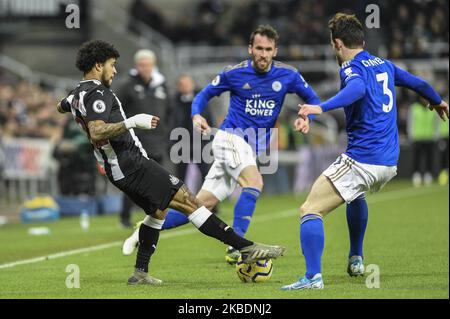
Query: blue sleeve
352,92
305,92
418,85
215,88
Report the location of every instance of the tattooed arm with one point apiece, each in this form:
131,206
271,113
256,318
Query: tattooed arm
99,130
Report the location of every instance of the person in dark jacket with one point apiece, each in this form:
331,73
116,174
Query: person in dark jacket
186,92
145,92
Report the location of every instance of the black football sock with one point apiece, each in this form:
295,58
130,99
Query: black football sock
148,239
210,225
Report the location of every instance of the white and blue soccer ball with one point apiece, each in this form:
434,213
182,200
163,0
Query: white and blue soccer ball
259,271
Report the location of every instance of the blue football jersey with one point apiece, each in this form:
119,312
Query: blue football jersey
372,121
255,98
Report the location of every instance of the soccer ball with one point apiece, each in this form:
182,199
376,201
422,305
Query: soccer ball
259,271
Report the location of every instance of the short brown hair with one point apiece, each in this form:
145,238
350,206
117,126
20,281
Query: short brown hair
266,30
348,28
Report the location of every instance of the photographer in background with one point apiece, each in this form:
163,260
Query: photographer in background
184,96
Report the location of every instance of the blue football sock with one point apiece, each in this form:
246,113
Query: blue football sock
174,219
357,216
243,210
312,241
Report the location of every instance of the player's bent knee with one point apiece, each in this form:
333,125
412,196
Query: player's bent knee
159,214
207,199
254,182
210,206
184,201
307,208
260,185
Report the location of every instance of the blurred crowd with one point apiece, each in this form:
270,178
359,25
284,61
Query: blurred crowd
218,22
27,110
413,27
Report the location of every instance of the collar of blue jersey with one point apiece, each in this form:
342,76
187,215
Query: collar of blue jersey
362,53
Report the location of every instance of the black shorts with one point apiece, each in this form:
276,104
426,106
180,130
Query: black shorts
152,187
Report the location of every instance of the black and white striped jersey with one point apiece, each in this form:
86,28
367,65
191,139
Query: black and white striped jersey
90,101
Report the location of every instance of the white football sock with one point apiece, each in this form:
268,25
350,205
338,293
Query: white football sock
153,222
199,217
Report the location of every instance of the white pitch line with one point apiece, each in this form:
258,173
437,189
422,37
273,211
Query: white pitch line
59,255
87,250
383,197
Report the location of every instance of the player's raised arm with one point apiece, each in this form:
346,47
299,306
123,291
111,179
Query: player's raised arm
98,105
304,90
423,88
352,92
308,95
99,130
215,88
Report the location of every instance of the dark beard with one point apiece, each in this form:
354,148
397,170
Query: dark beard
105,82
256,68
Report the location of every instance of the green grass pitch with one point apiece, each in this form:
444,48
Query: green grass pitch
407,238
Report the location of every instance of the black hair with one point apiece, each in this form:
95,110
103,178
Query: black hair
93,52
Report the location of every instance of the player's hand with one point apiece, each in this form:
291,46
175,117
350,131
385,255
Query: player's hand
200,124
441,109
307,109
301,125
142,121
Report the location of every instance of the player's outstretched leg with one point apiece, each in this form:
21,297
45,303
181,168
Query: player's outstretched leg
131,243
148,239
173,219
357,217
322,199
212,226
